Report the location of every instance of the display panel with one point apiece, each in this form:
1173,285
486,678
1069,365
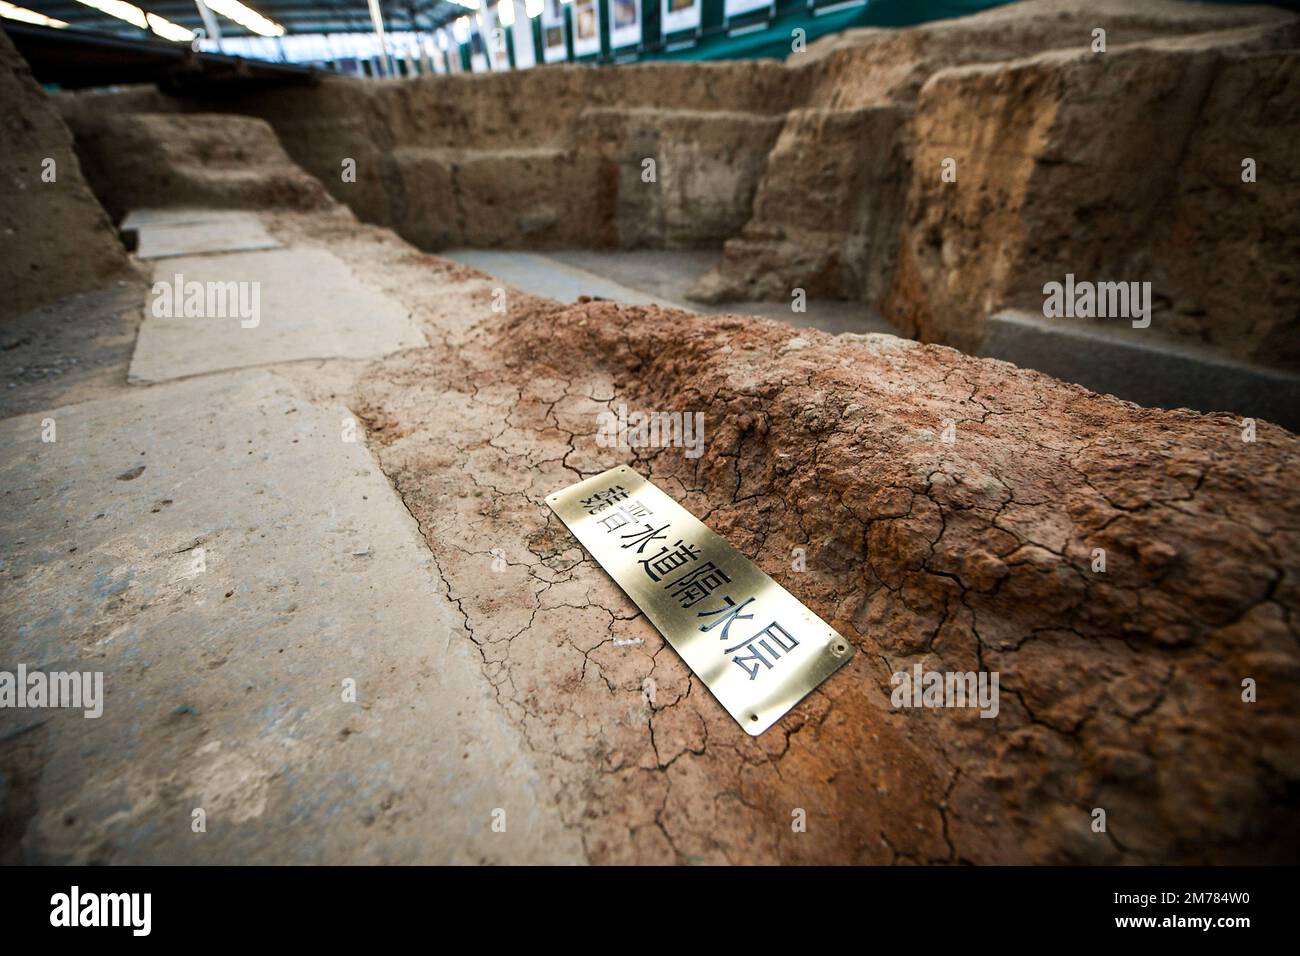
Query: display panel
553,33
586,28
624,23
678,15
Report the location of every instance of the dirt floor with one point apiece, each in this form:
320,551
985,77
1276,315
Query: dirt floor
76,350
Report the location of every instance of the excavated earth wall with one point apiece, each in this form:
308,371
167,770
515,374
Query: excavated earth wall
1122,166
56,239
825,173
140,160
1121,689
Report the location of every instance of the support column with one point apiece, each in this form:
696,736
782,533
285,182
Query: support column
209,23
377,19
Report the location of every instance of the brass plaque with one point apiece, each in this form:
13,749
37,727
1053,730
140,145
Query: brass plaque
755,646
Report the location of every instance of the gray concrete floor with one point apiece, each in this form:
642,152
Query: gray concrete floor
74,350
309,305
276,644
1142,367
651,277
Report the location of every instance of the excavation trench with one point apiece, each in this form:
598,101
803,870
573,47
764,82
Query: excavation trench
1127,572
946,511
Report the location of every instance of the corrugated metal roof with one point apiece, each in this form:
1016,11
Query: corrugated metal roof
296,16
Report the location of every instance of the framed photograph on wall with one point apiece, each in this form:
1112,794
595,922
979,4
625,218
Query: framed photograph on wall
624,23
586,27
737,8
679,15
553,30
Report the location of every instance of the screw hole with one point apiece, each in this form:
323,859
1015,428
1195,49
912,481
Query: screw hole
753,717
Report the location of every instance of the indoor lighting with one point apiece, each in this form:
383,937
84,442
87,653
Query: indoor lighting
120,9
138,18
23,15
247,18
168,30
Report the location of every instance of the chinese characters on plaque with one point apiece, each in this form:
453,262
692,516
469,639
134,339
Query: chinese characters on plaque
756,647
701,580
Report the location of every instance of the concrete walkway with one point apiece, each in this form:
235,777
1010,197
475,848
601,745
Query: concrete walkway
551,278
278,305
1142,368
284,677
652,277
